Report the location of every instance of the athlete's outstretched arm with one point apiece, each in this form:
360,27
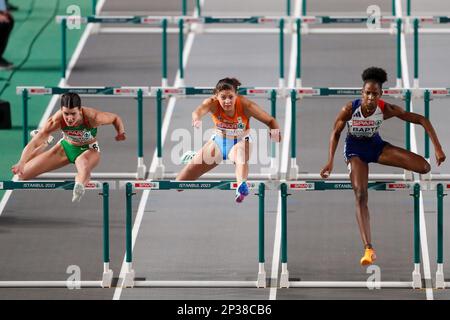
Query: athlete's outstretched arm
339,124
52,124
201,111
253,110
392,110
100,118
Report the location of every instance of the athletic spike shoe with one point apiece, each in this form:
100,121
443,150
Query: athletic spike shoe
369,257
78,192
241,192
49,140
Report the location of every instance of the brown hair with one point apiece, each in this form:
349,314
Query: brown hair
227,84
70,100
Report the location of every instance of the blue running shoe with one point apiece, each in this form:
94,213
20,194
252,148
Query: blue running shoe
243,188
241,192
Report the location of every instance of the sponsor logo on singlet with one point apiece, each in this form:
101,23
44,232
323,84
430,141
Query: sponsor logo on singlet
359,126
232,128
79,135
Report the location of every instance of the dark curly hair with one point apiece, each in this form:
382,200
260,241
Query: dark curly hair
374,74
227,84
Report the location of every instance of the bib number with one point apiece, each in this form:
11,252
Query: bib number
94,146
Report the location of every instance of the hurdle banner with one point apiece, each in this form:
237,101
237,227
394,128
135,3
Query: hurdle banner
135,92
104,187
416,282
131,186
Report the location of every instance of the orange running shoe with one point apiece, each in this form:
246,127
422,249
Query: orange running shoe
369,257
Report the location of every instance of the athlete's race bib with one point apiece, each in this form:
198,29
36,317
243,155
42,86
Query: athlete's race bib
94,146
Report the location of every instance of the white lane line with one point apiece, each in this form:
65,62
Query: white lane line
284,160
423,226
55,98
276,253
137,224
165,129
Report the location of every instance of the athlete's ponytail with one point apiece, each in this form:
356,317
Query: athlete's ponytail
227,84
70,100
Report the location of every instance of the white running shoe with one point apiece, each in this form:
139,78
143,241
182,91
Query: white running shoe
49,140
78,192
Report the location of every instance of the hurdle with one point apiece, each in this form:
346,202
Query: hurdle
394,7
427,97
162,24
184,7
162,93
440,279
130,186
68,185
396,26
302,28
137,93
416,282
416,23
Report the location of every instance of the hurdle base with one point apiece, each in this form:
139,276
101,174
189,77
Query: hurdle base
261,282
440,280
293,169
107,279
417,278
141,172
284,278
128,279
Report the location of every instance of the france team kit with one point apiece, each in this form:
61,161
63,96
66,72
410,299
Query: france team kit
363,139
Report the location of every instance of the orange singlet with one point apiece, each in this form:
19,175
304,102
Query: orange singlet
234,126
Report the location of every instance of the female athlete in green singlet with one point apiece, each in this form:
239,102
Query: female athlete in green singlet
79,144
